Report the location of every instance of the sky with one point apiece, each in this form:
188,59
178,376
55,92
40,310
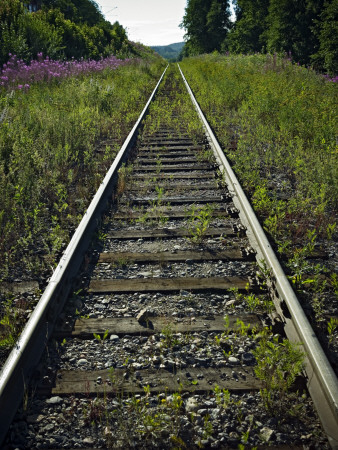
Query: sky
151,22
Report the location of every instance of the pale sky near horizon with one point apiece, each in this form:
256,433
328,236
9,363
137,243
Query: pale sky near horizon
151,22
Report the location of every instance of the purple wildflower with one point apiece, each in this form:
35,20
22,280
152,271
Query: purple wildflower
46,70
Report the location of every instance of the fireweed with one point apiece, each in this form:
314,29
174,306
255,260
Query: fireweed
16,74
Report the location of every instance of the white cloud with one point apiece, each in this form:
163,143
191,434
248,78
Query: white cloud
152,22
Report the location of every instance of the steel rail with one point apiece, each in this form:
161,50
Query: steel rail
28,350
322,382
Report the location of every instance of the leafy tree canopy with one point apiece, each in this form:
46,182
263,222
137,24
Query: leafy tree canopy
59,29
207,23
247,35
306,29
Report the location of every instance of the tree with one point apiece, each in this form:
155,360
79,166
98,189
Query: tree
207,23
326,30
40,35
218,24
59,29
247,36
78,11
12,39
290,27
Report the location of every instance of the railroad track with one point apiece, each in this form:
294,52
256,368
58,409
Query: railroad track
150,335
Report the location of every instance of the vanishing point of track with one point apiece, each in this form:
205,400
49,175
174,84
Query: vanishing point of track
167,159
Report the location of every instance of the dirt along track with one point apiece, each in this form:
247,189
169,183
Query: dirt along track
169,338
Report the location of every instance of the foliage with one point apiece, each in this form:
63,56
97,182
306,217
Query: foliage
285,117
326,30
18,75
206,24
247,34
198,223
277,123
332,327
51,159
61,29
78,11
278,364
289,28
306,30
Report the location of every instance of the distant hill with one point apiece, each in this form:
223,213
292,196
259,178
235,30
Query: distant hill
170,52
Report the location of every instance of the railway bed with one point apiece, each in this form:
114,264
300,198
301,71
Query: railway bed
161,332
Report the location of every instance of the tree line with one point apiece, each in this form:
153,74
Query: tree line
305,29
60,29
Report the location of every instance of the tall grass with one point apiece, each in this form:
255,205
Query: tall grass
56,142
277,124
278,119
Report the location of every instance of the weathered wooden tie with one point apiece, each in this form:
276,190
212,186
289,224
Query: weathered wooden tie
171,213
234,253
120,381
169,284
85,328
168,233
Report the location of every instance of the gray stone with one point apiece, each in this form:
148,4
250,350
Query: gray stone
215,413
32,419
98,306
54,400
266,434
170,363
208,403
143,315
191,405
233,435
114,337
230,302
183,292
82,362
233,360
202,361
198,419
145,274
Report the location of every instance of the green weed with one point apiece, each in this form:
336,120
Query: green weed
332,327
278,364
198,223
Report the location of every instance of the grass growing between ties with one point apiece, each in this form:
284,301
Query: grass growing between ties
180,420
277,124
198,223
129,410
172,109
